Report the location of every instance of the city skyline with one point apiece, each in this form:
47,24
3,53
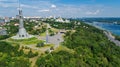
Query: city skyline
63,8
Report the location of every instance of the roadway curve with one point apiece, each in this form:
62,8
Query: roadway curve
112,38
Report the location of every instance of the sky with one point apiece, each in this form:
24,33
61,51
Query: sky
61,8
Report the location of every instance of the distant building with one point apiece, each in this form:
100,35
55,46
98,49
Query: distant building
7,19
16,24
67,21
62,31
61,20
33,19
2,20
17,16
3,32
115,22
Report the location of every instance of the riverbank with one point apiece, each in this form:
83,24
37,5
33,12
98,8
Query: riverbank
95,26
108,34
112,38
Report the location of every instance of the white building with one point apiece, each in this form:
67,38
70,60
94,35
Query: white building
61,20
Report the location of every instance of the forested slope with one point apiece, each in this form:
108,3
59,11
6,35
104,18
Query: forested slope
91,49
11,56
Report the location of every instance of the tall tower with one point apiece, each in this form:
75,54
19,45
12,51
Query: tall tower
47,34
22,34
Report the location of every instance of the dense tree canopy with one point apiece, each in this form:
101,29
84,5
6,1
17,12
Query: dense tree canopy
91,49
10,56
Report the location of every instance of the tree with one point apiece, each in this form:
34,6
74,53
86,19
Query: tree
41,44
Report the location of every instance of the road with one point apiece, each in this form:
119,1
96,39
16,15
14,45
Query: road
112,38
56,39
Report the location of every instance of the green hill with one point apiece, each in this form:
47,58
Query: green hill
11,56
91,49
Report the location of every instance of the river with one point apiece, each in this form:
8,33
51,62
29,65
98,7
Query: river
113,28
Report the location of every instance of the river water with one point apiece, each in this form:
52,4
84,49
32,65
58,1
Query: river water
113,28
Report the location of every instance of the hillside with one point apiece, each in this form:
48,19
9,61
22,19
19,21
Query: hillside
11,56
83,46
91,49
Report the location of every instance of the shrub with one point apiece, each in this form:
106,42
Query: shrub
41,44
47,51
52,48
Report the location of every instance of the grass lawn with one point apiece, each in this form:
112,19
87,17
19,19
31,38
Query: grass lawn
55,30
48,45
25,41
61,47
43,34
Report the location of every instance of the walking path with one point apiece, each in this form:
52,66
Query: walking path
112,38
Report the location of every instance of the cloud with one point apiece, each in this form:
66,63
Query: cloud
53,6
8,4
9,1
28,6
3,0
44,10
93,13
